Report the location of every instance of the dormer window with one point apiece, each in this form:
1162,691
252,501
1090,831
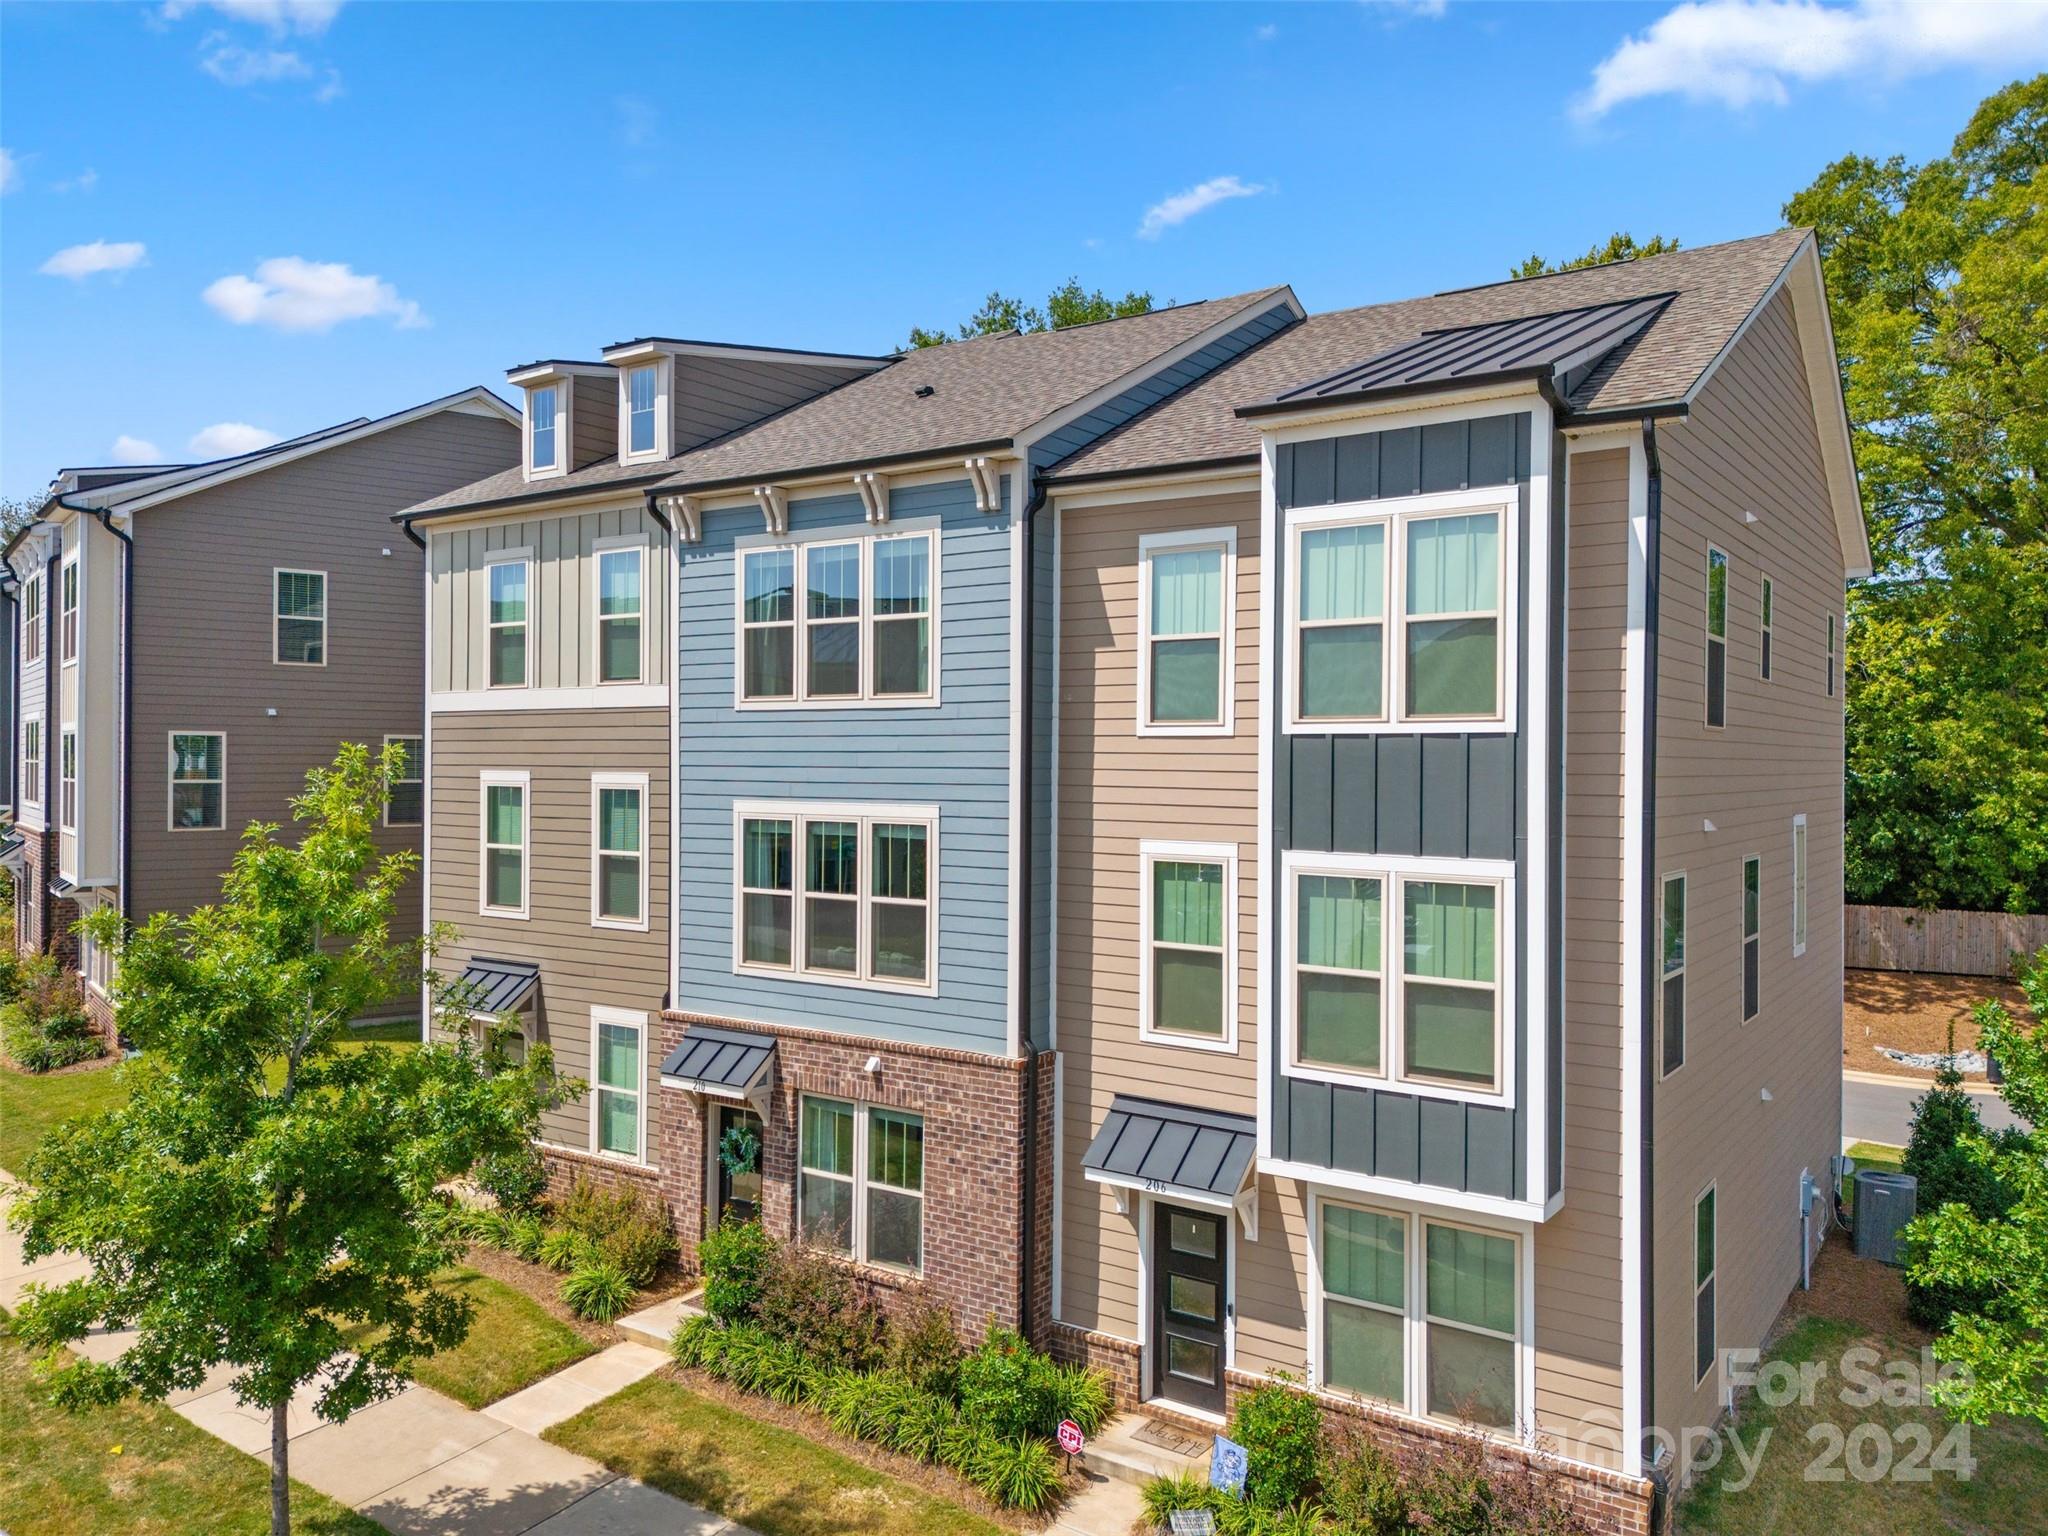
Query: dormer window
640,409
543,446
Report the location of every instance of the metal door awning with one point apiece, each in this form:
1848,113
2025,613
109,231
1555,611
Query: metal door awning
494,987
725,1063
1199,1156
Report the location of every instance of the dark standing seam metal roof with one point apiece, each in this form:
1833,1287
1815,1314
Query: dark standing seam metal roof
1202,1151
720,1058
498,986
1531,345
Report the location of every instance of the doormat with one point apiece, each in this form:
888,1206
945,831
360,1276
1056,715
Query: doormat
1167,1438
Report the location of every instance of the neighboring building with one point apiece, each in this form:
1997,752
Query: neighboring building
1217,837
193,638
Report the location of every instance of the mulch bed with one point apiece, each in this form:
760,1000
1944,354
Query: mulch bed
1912,1012
1861,1291
544,1286
934,1480
90,1064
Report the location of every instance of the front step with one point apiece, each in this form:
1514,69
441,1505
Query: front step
657,1325
1118,1453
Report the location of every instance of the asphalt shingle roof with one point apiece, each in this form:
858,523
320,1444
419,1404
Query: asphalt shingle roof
1714,288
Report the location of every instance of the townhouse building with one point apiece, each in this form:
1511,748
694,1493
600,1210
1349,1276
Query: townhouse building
1237,841
192,639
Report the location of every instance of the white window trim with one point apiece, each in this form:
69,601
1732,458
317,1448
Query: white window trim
799,813
1392,871
420,762
277,617
799,542
67,813
635,545
619,1018
172,781
564,415
863,1110
1708,639
1766,594
519,557
1698,1285
664,377
523,782
1396,512
1151,852
32,619
32,777
1744,938
1178,542
1683,973
67,654
1416,1220
637,782
1799,912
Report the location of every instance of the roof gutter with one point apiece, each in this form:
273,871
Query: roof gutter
838,467
527,498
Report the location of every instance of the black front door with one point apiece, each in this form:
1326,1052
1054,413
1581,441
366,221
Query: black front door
1188,1302
739,1194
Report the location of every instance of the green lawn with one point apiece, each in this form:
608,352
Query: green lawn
135,1469
31,1107
772,1479
512,1343
1874,1156
2003,1493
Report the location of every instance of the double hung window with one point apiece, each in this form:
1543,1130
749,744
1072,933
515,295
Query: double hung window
619,1076
508,582
67,781
299,618
618,873
32,618
1799,884
1185,612
505,823
620,574
837,893
67,614
1398,615
1831,655
860,1182
1188,893
542,430
405,803
32,761
1703,1268
1763,659
640,398
838,621
199,776
1752,936
1671,979
1717,637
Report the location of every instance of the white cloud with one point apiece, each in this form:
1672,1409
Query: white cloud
1429,10
1742,52
1182,206
330,88
232,64
638,121
136,450
84,181
310,17
1267,33
10,171
226,439
79,262
290,293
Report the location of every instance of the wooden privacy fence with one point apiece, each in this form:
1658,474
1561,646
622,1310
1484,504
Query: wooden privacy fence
1944,943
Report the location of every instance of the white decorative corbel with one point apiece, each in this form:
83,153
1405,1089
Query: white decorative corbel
774,507
874,495
1247,1203
988,484
686,516
1122,1198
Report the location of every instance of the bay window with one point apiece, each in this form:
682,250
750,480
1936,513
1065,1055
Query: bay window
837,893
838,621
1419,1313
1184,604
1425,1009
860,1182
1187,982
1433,566
620,575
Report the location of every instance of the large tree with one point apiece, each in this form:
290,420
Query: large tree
266,1188
1619,246
1938,290
1068,304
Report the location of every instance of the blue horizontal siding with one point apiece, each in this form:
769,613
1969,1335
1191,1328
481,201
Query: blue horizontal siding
955,756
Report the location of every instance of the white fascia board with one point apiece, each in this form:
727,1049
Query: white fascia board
478,397
539,373
1162,485
610,498
1417,407
840,482
633,351
1096,398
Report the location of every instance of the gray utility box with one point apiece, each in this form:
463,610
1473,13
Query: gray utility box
1885,1202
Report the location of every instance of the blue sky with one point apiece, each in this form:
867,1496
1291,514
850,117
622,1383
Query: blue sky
275,214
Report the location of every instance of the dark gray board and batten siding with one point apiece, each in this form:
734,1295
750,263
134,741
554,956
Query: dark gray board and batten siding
1460,796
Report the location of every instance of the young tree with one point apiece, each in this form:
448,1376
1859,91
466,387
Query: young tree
1068,304
265,1189
1997,1266
1619,246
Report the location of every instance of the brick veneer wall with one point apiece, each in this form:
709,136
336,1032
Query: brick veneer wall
973,1109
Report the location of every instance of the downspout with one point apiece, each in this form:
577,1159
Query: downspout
122,853
1652,929
405,523
1028,1202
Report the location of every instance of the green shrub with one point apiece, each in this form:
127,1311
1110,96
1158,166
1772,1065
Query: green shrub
1947,1174
812,1303
1184,1490
597,1291
46,1026
562,1250
697,1343
1362,1488
843,1399
919,1430
598,1212
1280,1429
1008,1388
923,1343
735,1258
516,1180
10,959
524,1236
641,1244
1017,1474
1076,1392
